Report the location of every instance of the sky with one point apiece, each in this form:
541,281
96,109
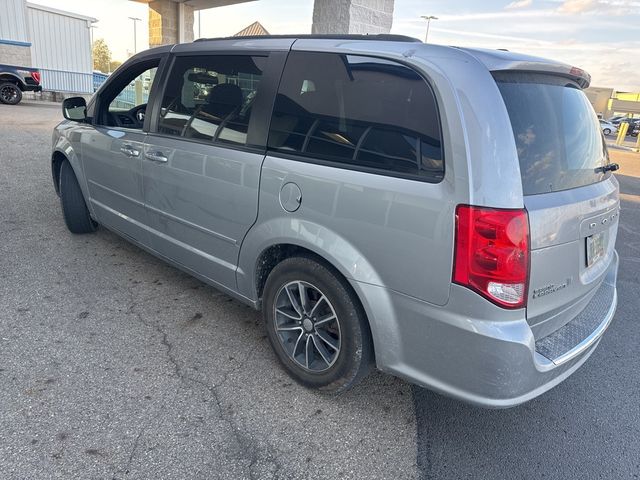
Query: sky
600,36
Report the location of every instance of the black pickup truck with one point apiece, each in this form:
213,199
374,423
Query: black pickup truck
15,80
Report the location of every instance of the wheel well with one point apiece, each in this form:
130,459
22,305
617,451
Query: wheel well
271,257
12,79
275,254
56,164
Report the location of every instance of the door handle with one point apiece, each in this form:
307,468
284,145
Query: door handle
156,157
129,151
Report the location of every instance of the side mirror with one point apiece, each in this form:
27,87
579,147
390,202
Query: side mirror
74,108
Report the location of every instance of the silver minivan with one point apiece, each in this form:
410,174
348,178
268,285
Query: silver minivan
446,214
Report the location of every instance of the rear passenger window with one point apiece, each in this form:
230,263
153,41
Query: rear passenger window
210,98
360,112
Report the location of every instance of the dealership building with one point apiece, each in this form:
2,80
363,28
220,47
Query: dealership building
56,42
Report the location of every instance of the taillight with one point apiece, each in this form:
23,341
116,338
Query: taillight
36,76
492,253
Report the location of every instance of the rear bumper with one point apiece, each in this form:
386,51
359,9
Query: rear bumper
475,351
32,88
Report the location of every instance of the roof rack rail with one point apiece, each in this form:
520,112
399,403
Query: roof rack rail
379,36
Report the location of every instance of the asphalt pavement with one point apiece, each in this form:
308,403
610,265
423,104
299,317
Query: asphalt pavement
114,365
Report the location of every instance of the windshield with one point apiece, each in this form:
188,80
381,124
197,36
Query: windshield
557,133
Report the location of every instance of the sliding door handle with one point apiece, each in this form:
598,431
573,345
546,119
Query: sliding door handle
156,157
129,151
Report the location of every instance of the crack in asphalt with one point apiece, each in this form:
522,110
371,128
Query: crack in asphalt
63,309
246,444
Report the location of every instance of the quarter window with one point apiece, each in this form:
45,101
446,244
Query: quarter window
360,112
210,98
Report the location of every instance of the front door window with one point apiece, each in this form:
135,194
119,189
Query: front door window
124,104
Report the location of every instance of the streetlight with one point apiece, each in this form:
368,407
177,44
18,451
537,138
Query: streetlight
91,28
428,19
135,20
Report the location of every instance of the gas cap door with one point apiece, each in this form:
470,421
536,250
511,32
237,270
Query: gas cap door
290,197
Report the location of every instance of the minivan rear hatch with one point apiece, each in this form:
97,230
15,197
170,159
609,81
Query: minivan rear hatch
569,193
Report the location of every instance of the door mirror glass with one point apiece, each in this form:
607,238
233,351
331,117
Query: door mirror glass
74,108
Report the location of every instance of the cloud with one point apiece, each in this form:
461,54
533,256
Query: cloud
610,7
578,6
610,64
506,15
519,4
492,36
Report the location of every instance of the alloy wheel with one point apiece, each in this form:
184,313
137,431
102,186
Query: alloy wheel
8,93
307,326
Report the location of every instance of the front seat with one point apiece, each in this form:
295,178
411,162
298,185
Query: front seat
223,100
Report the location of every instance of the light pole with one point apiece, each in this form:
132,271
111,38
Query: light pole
135,45
428,19
91,28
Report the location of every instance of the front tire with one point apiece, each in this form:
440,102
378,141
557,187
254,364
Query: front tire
10,94
74,209
316,325
607,131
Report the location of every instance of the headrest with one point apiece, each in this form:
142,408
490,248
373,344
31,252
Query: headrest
225,94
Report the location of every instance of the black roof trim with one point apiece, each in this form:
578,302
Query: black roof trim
379,37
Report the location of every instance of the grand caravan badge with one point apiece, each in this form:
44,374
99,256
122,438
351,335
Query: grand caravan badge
552,288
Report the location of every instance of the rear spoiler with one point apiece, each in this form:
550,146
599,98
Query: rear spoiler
500,60
576,74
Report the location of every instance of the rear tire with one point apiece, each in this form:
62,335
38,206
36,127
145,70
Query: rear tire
300,297
10,93
74,209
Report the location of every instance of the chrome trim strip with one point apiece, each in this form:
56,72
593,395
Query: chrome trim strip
166,237
164,214
192,225
130,199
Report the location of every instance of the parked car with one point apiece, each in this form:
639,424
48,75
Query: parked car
634,126
616,119
381,200
608,128
15,80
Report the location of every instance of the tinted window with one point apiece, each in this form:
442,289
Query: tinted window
210,98
124,101
557,133
136,92
363,112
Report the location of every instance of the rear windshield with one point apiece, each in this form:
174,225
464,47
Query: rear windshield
557,133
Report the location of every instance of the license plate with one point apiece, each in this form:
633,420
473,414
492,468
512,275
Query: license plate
595,248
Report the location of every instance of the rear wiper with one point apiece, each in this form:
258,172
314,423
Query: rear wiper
612,167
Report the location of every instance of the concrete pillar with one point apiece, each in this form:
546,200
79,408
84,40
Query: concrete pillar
169,22
352,16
